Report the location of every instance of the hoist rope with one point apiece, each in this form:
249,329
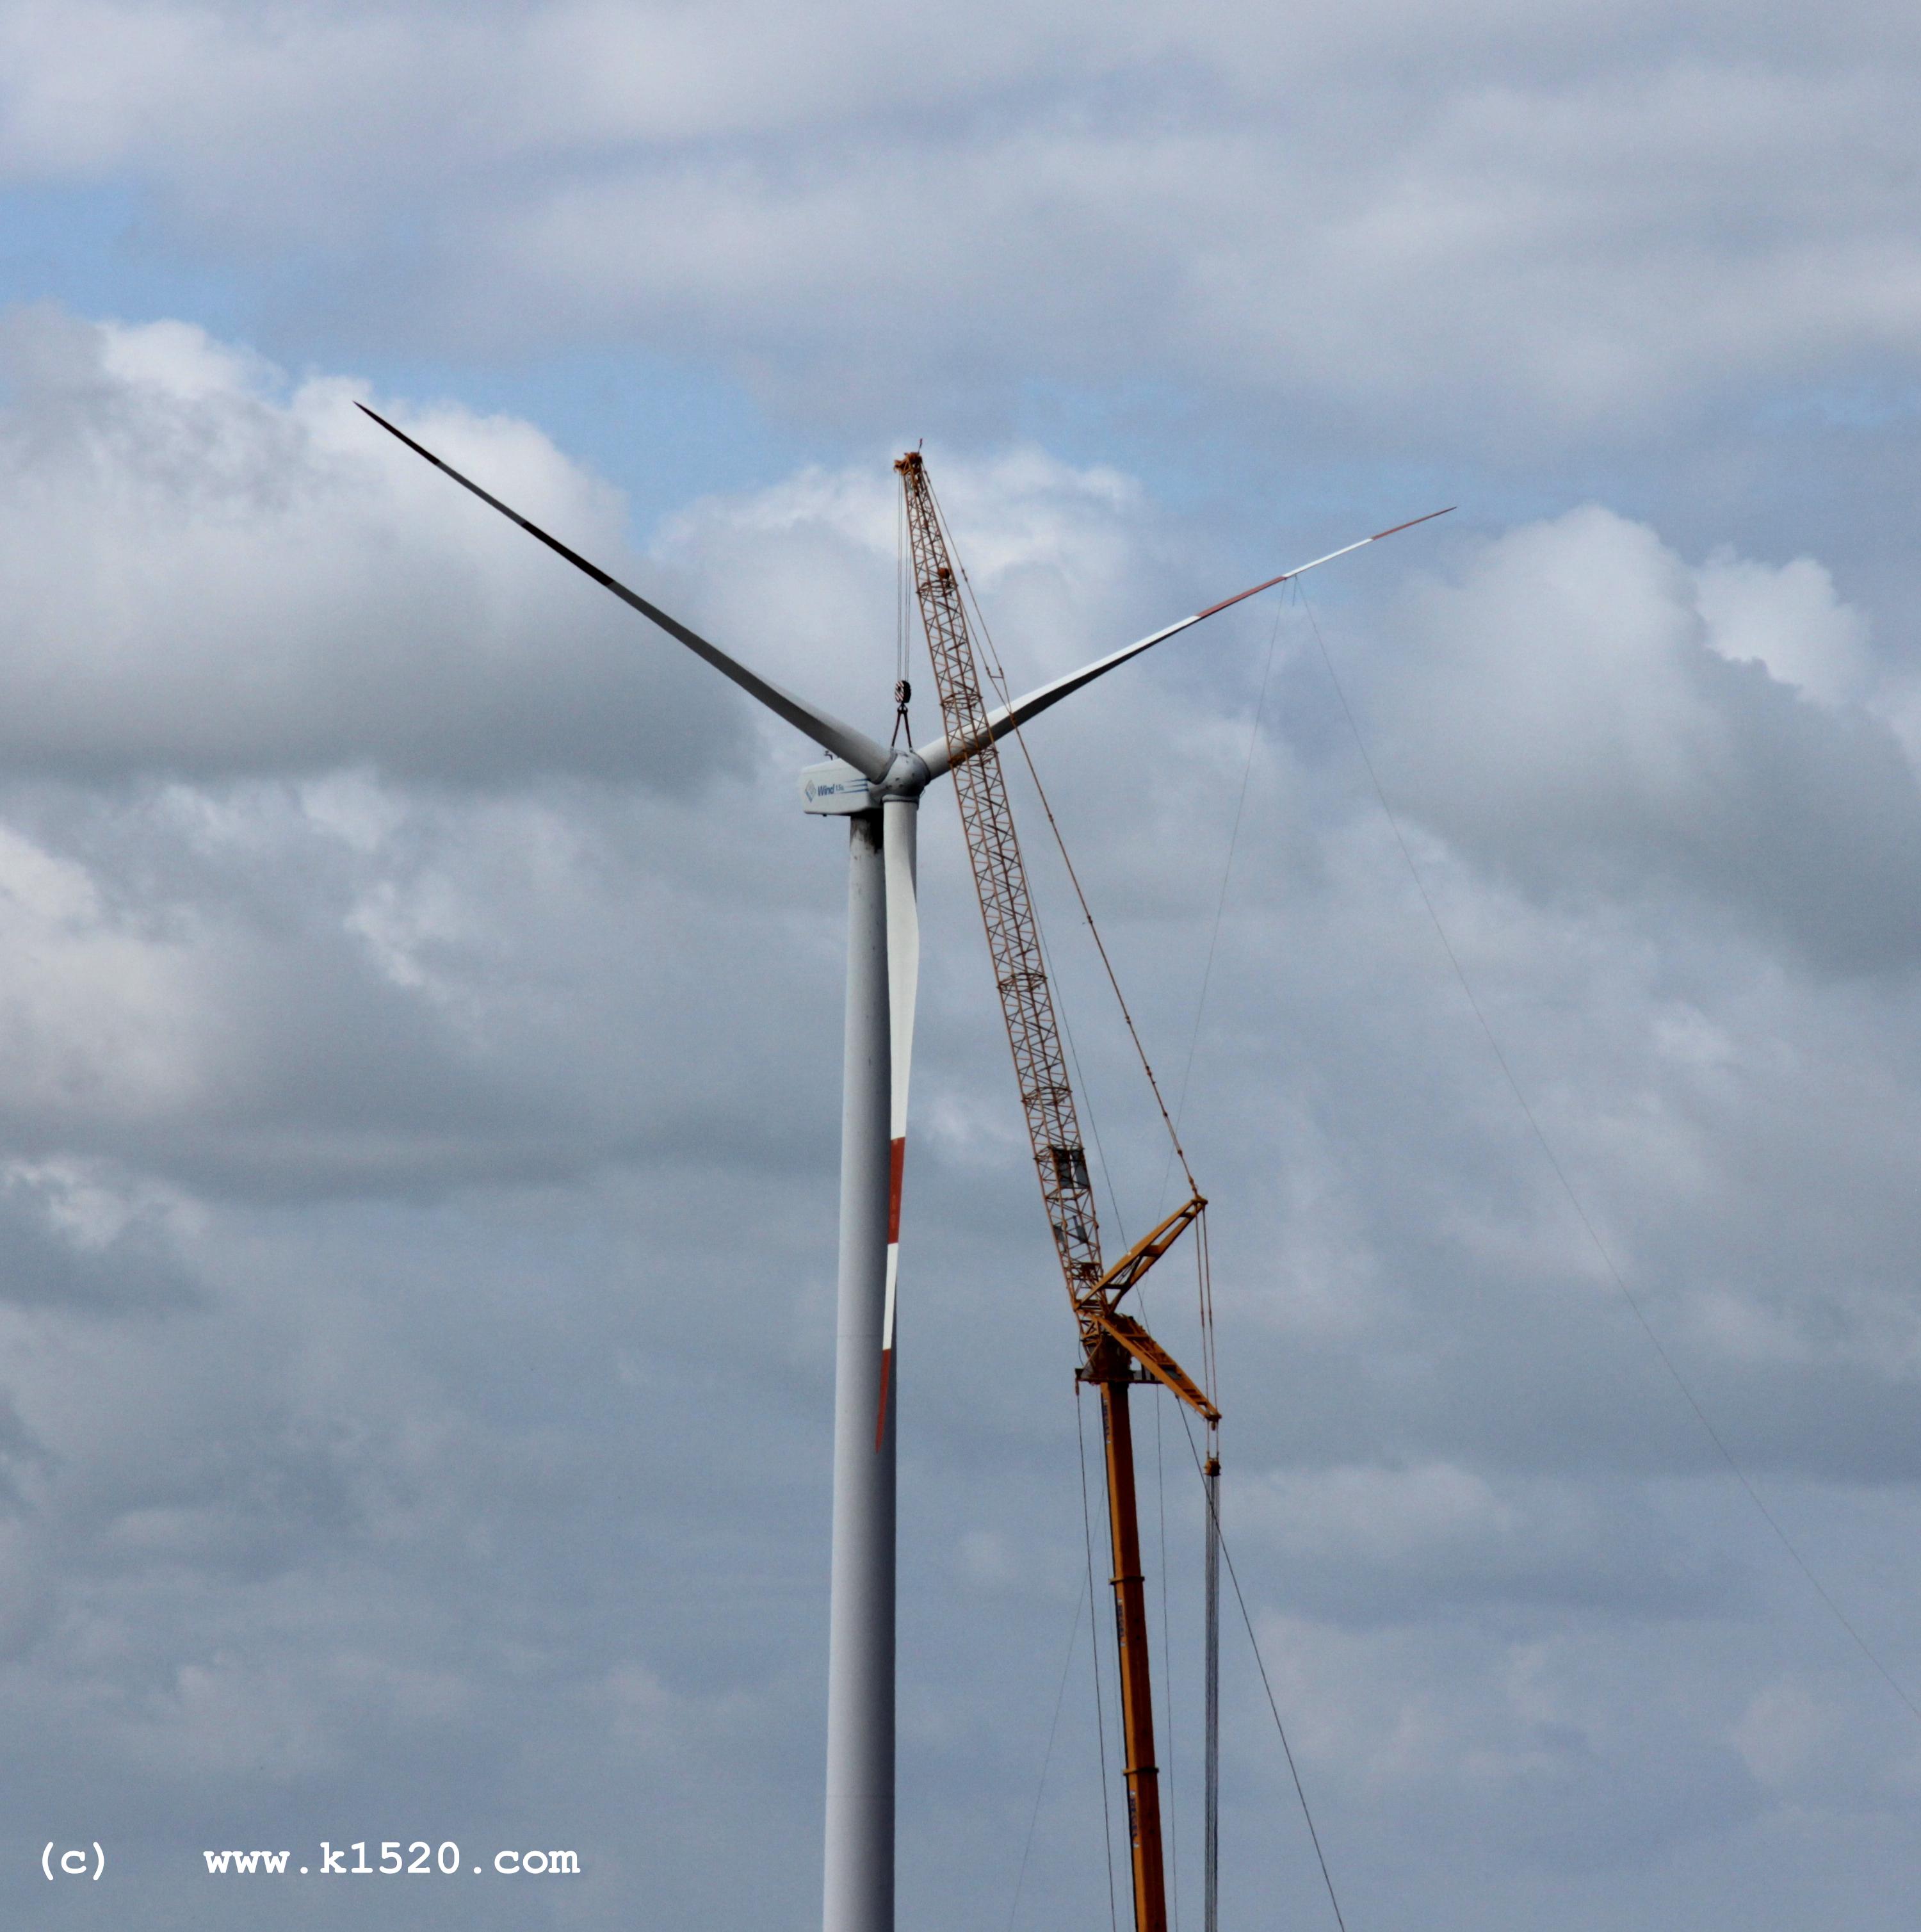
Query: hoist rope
965,657
903,590
1260,1663
1211,1696
1047,1758
1204,1294
997,677
1177,1152
991,663
1280,1729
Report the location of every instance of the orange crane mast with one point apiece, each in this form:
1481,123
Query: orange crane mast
1116,1350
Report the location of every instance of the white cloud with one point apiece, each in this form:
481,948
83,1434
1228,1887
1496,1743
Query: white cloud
1481,229
1791,620
212,573
1783,1729
418,1216
1582,704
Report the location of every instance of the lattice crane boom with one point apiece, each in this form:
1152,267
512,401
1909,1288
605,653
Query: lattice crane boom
1006,909
1116,1350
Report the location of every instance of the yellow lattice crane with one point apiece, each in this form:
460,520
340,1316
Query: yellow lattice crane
1116,1350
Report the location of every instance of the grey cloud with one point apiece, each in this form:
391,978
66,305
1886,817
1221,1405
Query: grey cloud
213,574
1586,227
476,1463
69,1241
418,997
270,989
1562,712
1412,1545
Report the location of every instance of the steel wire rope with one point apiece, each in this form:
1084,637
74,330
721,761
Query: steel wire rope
1093,1644
1601,1247
1211,1573
1204,1294
901,592
989,659
1260,1663
1210,1698
1166,1674
1088,1108
998,678
1160,1479
1178,1152
1047,1758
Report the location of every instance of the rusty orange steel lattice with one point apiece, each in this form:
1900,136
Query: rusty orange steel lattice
1116,1350
1000,881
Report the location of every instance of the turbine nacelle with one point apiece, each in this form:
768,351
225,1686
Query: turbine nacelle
834,789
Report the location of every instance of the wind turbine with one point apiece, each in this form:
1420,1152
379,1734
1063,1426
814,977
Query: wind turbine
878,790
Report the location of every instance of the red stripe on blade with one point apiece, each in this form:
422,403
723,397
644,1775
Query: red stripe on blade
1241,596
1412,521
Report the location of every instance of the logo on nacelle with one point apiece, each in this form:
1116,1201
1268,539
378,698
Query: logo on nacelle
834,789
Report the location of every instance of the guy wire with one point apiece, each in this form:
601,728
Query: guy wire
990,659
1053,1730
1260,1663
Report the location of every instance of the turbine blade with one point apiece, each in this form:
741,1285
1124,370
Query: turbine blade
861,752
938,757
899,819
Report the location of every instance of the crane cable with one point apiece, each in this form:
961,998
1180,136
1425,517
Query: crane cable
1260,1663
903,591
990,660
1226,875
1204,1295
997,676
1047,1758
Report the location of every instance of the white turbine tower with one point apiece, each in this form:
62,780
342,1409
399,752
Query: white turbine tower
878,790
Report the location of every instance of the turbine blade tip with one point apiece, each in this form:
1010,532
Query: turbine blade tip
1394,529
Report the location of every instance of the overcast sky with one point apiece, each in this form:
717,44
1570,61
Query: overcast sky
420,992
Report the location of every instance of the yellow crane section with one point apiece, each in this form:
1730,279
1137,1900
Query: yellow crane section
1116,1351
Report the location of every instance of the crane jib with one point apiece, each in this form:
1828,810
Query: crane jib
1116,1349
